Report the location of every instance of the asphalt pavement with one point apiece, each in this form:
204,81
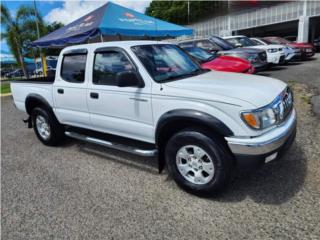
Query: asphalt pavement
83,191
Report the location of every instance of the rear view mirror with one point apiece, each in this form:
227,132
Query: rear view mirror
238,45
129,79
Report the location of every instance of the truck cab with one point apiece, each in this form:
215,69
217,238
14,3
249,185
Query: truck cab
150,98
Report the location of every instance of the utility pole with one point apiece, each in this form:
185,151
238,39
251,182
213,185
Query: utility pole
188,12
43,60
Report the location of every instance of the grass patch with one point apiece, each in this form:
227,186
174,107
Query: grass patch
5,88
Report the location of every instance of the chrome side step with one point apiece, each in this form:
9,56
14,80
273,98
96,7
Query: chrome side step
121,147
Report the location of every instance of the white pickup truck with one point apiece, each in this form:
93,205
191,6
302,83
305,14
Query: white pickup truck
149,98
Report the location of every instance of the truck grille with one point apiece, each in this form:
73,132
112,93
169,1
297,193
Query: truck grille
284,105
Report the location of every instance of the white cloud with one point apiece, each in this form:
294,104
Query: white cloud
72,10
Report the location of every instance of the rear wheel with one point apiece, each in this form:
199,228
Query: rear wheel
200,164
47,128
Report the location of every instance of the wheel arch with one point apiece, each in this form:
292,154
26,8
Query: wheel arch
176,120
35,100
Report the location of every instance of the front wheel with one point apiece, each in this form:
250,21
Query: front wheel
47,128
200,164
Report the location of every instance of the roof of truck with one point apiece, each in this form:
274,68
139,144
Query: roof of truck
114,44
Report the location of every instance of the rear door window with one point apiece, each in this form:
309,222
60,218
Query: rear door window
74,67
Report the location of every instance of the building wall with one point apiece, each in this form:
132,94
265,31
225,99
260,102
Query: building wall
249,15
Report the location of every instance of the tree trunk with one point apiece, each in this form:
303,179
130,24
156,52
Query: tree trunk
21,60
23,66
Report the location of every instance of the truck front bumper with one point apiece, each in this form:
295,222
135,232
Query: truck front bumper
254,152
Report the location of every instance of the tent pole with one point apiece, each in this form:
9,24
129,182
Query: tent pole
101,37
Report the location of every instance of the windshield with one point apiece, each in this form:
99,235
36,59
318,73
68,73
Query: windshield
200,54
166,62
276,40
244,41
223,44
266,41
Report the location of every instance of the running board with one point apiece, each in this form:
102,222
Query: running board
121,147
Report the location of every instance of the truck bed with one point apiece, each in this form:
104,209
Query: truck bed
45,80
21,89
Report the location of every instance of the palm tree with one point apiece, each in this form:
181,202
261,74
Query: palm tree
21,30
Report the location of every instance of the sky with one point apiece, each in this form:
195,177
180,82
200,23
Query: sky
68,10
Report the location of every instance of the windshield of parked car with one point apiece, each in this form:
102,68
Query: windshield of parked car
276,40
223,44
166,62
266,41
200,54
244,41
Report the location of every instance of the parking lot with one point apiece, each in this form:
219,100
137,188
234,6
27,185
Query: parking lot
83,191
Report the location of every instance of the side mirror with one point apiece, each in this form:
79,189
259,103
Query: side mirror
238,45
129,79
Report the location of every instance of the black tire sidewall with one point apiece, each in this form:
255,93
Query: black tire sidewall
55,128
221,159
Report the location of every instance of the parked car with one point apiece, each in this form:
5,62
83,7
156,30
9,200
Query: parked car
275,53
316,43
39,71
4,72
219,63
15,73
152,99
306,49
203,43
291,53
256,57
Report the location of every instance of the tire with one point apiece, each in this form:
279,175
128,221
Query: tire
47,128
218,156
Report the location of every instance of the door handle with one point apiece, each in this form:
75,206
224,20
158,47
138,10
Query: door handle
60,91
94,95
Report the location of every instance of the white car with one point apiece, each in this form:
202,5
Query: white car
290,52
151,99
275,53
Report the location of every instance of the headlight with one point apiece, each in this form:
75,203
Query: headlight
271,114
272,50
260,119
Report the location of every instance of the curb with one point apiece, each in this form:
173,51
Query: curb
6,94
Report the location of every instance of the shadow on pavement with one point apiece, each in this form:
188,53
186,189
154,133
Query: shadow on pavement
147,164
275,68
275,183
294,63
263,74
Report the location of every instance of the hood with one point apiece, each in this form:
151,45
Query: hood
228,64
256,90
243,50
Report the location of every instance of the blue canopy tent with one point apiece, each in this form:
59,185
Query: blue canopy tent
7,58
111,20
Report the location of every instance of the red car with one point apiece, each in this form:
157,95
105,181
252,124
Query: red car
306,49
219,63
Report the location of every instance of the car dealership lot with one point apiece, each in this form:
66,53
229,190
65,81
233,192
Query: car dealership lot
82,191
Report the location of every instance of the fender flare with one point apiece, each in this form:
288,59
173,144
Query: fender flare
197,117
38,98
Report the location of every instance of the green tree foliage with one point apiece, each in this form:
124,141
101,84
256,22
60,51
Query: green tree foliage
21,30
177,11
